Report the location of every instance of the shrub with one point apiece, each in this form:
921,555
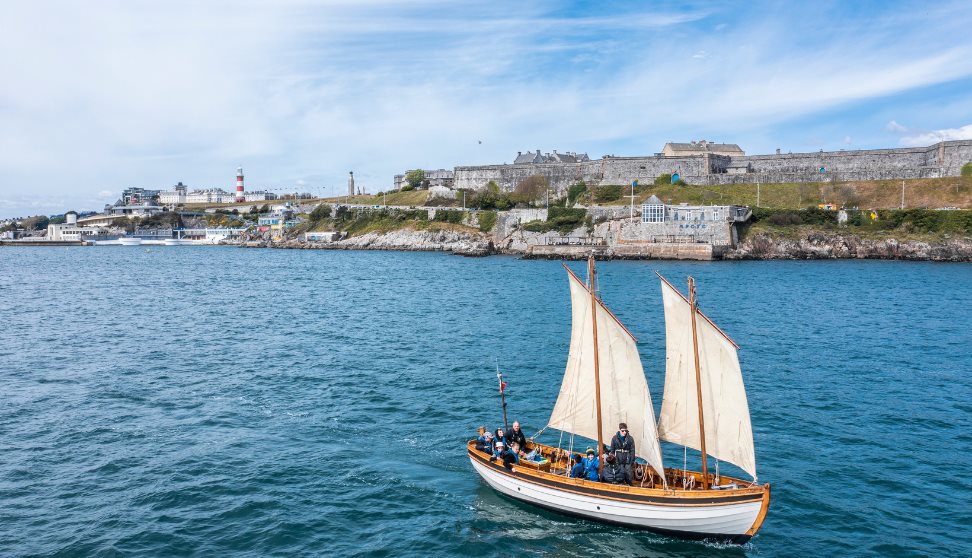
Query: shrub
487,220
967,169
321,212
455,217
663,179
561,219
575,192
607,193
784,219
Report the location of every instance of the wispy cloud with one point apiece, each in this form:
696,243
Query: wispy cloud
107,95
947,134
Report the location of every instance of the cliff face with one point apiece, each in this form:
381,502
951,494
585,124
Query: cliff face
462,243
823,245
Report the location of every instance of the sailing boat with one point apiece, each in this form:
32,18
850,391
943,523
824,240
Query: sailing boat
704,408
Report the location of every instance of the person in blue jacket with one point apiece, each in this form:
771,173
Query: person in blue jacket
592,466
577,471
485,443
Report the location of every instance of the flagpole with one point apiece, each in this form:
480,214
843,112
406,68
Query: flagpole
502,388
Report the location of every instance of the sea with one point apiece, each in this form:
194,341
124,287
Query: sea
222,401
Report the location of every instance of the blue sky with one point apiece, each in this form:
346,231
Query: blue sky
98,96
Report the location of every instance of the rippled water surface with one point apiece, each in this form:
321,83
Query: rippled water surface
214,401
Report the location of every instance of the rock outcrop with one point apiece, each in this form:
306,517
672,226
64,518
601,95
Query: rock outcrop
824,245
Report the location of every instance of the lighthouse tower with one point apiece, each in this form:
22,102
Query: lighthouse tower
351,183
239,185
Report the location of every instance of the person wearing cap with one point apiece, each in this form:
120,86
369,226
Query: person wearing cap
577,471
504,453
485,442
592,466
623,448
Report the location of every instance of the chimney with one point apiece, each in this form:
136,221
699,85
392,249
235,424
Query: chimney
777,150
518,153
538,151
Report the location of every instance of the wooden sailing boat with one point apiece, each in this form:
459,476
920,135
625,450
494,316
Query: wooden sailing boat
704,408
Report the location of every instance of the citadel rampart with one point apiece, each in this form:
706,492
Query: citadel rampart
939,160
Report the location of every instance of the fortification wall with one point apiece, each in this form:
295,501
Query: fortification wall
941,159
624,170
559,175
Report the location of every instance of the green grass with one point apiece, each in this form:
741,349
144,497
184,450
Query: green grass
927,193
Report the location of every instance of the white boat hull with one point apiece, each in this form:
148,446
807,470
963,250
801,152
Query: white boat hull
731,521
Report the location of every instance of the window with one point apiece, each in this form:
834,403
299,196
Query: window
652,213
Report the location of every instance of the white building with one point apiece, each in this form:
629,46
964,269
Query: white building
259,195
176,196
212,195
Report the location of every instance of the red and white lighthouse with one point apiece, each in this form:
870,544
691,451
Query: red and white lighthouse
239,185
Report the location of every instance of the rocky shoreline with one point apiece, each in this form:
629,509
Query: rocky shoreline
810,246
820,245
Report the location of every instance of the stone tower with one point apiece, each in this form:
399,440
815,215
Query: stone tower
351,183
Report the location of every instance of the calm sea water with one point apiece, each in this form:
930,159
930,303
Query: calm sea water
223,401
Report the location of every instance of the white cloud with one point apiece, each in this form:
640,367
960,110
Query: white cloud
102,96
893,126
947,134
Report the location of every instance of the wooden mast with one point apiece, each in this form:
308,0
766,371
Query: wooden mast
597,367
693,302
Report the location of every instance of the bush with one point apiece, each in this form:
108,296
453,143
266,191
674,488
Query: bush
455,217
784,219
529,189
575,192
607,193
663,179
967,169
561,219
487,220
321,212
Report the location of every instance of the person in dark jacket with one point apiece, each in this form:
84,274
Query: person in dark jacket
515,435
504,454
577,471
485,443
500,436
592,466
623,449
613,473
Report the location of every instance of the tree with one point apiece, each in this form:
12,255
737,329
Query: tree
530,189
415,178
37,223
320,213
967,169
575,192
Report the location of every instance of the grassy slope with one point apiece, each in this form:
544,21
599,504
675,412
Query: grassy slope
871,194
413,198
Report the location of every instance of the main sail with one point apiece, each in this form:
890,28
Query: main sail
624,391
728,431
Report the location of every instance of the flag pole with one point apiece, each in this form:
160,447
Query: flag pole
502,388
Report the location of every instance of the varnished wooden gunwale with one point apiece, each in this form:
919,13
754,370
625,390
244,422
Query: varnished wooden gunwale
633,494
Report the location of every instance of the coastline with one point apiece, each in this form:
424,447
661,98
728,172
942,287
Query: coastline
812,245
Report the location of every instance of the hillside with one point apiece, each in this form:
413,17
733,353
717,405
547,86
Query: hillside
929,193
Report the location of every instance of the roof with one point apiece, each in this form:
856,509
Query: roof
653,200
534,157
703,146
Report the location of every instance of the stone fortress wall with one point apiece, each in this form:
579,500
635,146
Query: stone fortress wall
939,160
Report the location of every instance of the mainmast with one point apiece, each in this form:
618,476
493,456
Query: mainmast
694,303
597,371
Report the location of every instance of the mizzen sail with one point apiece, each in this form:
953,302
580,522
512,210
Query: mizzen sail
728,431
624,390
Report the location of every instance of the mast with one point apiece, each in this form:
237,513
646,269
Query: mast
597,371
693,302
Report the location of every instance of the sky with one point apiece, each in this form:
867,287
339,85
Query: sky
98,96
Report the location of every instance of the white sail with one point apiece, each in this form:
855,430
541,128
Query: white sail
728,431
624,391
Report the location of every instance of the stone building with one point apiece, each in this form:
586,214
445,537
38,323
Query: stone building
701,147
535,158
438,177
712,166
